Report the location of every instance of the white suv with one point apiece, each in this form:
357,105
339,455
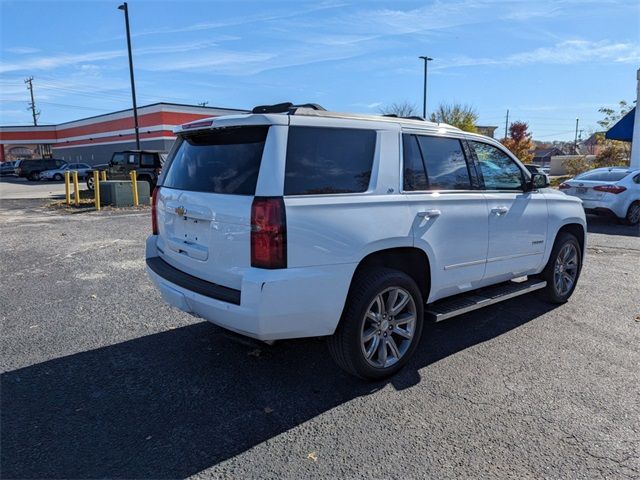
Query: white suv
296,222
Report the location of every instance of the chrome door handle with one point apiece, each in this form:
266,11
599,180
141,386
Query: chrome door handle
430,213
499,210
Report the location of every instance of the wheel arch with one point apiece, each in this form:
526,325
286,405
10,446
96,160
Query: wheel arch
411,260
577,230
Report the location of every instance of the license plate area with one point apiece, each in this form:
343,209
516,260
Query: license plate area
189,237
191,230
581,190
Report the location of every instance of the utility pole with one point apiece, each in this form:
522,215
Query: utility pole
424,98
506,125
125,8
32,105
575,141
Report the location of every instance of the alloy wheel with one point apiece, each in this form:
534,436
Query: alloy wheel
388,327
565,269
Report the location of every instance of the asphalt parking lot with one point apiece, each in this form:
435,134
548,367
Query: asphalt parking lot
15,188
100,379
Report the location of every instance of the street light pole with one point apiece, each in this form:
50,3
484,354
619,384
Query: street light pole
424,98
125,8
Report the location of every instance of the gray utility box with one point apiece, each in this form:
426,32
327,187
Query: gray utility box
118,193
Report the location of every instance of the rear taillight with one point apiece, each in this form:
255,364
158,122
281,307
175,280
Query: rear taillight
610,188
154,211
564,186
268,233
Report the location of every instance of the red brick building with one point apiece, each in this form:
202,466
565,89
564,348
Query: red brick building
92,140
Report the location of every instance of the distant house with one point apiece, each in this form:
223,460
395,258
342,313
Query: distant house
591,145
542,156
485,130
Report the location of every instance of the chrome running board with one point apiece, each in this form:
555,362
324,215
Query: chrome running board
467,302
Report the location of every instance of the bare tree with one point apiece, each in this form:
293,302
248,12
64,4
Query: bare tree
402,109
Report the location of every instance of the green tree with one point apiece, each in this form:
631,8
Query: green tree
612,152
519,141
462,116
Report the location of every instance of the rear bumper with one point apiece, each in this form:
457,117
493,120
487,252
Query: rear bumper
605,207
272,304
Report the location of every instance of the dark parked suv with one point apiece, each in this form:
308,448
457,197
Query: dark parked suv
147,164
31,169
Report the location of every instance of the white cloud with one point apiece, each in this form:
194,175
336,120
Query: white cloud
53,62
567,52
21,50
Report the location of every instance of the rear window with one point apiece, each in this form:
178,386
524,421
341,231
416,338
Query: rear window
604,175
328,160
219,161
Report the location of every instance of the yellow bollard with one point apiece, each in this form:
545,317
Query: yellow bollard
76,188
96,188
104,175
134,187
67,187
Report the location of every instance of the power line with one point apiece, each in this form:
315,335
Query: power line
79,107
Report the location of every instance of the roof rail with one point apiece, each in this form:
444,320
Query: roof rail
286,107
410,117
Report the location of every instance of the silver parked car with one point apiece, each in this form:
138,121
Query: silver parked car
613,191
58,173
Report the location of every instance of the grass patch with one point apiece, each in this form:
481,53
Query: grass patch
555,181
87,204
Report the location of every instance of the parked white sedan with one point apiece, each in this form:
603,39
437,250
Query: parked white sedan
58,173
608,191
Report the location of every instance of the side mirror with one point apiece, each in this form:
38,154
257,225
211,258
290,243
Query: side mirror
539,180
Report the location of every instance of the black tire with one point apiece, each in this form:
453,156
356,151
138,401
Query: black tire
33,176
551,293
57,177
149,181
633,214
345,344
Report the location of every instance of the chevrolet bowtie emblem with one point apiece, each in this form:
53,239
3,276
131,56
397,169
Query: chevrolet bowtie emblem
180,211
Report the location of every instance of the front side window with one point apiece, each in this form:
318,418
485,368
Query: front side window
131,159
118,159
219,161
499,170
328,160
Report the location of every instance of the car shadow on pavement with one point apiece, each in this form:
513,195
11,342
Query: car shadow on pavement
172,404
610,226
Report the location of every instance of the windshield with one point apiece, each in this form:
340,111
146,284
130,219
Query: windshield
604,175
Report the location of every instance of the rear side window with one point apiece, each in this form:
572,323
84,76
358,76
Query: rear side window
604,176
147,160
441,158
328,160
414,174
219,161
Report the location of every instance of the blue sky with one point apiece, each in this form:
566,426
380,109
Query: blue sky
548,62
